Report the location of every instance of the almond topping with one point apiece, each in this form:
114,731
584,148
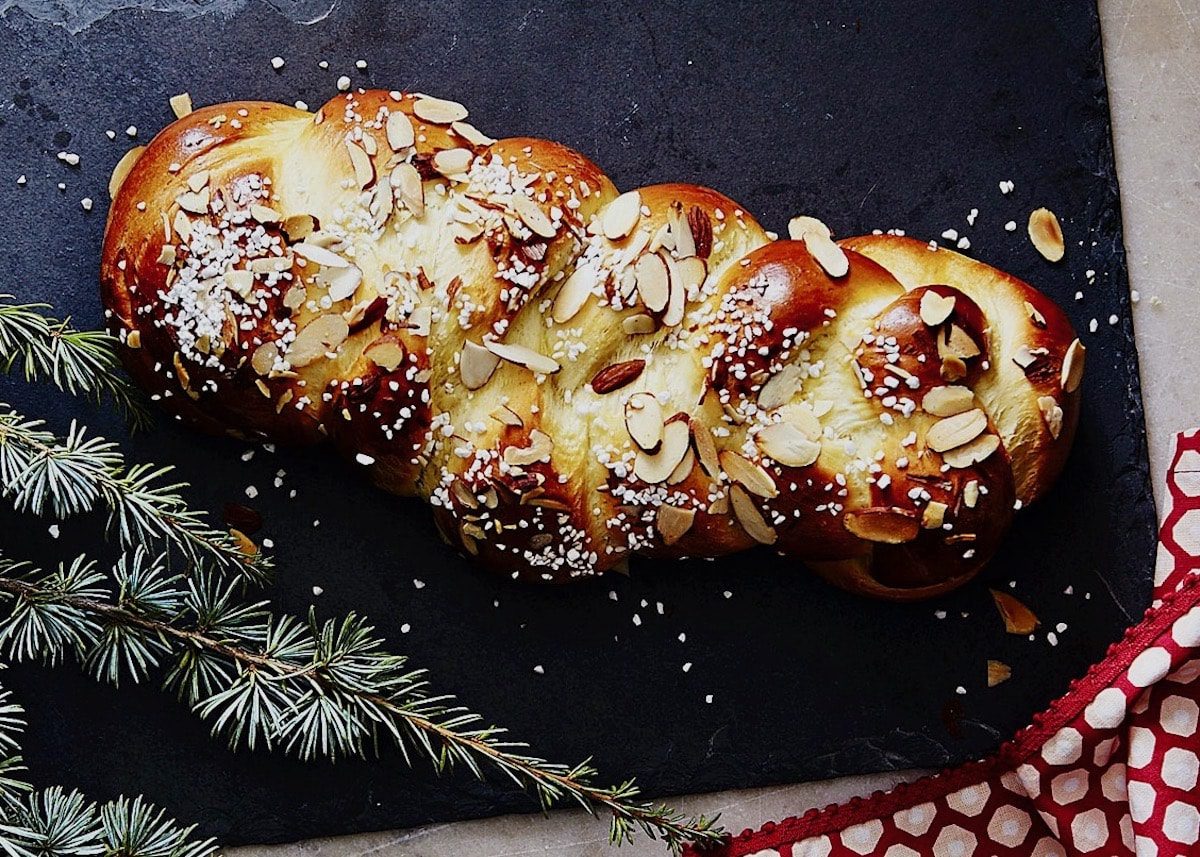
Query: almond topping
1018,619
476,365
263,360
181,104
406,181
621,215
673,522
387,354
1046,234
936,308
706,448
194,203
953,369
700,226
241,282
1052,414
507,416
934,515
197,181
803,225
957,343
522,356
166,256
573,294
1035,315
452,163
636,325
970,494
539,449
364,168
532,216
644,420
265,214
399,130
134,340
972,453
439,111
745,472
322,335
998,672
948,401
677,297
655,467
692,272
299,226
788,445
471,134
616,376
684,469
781,387
1024,357
752,520
954,431
653,281
342,283
888,525
317,253
121,170
1072,367
829,255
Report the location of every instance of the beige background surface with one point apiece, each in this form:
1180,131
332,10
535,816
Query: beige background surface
1152,52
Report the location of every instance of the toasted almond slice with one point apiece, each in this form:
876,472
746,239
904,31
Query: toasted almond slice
322,335
673,522
121,170
948,401
684,469
241,282
936,308
399,131
752,520
933,515
364,167
194,203
957,343
1052,414
656,467
463,494
265,214
471,134
453,163
1072,367
653,281
1035,315
677,297
532,215
299,226
523,356
781,387
788,445
954,431
637,325
692,272
198,180
181,104
803,225
970,494
342,283
264,357
953,369
182,224
539,449
621,215
507,416
745,472
439,111
1018,619
476,365
317,253
972,453
998,672
831,257
1046,234
681,231
387,354
706,448
1024,356
644,420
167,255
888,525
406,181
573,294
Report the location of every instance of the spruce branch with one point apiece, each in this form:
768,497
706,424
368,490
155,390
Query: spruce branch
78,362
306,687
42,473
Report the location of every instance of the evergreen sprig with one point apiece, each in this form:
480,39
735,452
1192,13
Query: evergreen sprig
45,474
311,688
79,362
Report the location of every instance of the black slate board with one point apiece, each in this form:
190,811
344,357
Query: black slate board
872,115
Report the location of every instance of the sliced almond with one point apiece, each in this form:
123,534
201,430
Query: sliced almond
1046,234
681,230
1072,367
299,226
677,298
953,369
638,325
198,180
653,281
970,494
181,104
692,273
539,449
933,515
387,354
532,215
507,416
788,445
1024,356
265,214
673,522
831,257
523,356
439,111
322,335
167,255
616,376
364,167
972,453
399,131
803,225
193,202
887,525
644,420
406,182
656,467
684,469
748,474
264,357
781,387
471,134
317,253
121,170
1035,315
957,343
752,520
954,431
998,672
936,308
706,448
948,401
574,294
621,215
476,365
1052,414
1018,619
342,283
453,163
240,282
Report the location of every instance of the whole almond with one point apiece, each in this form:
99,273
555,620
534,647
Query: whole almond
617,375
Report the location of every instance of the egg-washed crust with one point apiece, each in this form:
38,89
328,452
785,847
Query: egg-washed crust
570,375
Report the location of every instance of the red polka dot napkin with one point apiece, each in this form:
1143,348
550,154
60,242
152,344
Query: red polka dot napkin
1109,769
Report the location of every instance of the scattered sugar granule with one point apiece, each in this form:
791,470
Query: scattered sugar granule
277,63
343,83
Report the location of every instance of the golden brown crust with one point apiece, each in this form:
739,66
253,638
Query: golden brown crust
569,375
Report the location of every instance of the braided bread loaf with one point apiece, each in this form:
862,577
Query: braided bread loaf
571,375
